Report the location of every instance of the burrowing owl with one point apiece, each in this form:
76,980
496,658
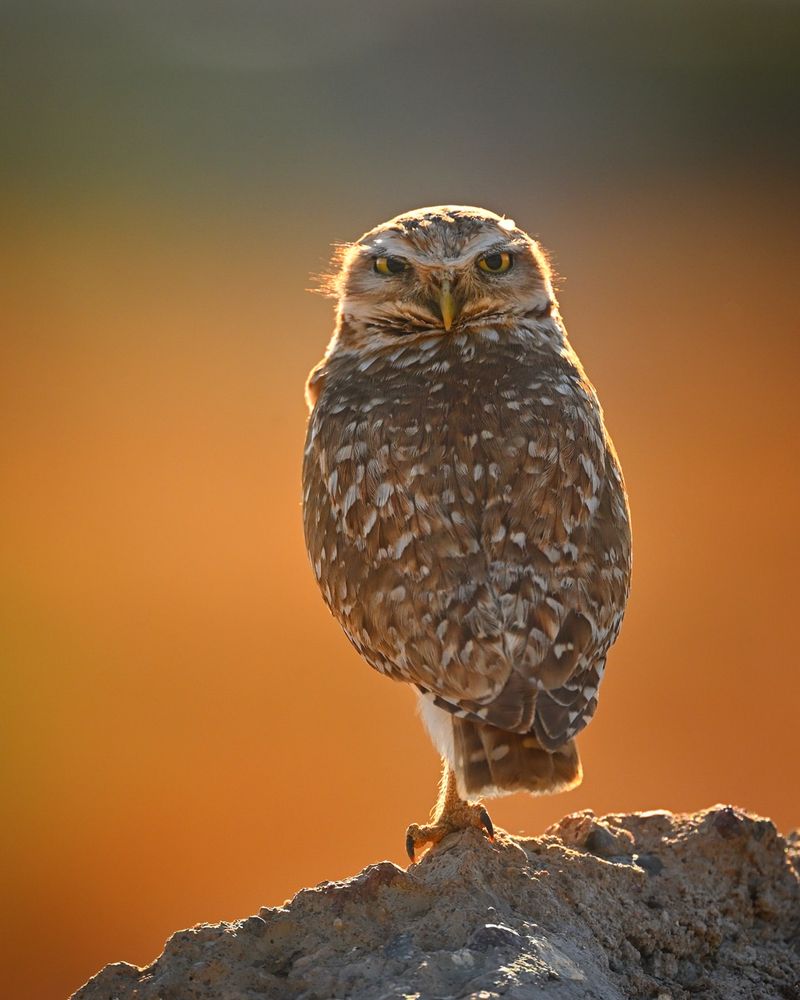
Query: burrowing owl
465,513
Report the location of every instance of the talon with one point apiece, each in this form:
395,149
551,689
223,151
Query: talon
483,816
410,847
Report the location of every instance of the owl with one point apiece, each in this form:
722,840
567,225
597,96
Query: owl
464,510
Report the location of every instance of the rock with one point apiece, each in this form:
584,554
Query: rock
648,905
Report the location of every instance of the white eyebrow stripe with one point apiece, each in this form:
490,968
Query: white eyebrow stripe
391,245
491,241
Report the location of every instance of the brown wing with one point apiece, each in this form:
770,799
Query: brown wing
560,566
563,711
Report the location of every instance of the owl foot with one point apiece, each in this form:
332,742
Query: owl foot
460,815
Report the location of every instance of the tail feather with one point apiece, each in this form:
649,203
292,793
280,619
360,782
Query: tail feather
491,761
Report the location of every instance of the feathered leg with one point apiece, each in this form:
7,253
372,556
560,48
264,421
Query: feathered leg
450,813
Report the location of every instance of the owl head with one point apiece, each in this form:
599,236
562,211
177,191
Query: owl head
450,269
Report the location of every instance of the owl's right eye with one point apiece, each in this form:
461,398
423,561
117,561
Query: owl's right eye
390,265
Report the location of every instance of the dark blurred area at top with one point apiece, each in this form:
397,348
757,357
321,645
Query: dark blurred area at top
324,98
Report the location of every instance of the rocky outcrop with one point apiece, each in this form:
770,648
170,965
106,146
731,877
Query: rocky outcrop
643,905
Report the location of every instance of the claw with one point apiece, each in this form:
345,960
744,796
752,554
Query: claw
410,847
483,816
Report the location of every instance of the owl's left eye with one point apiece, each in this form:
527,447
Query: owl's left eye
390,265
496,263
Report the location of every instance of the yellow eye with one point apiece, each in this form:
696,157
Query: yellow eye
495,263
390,265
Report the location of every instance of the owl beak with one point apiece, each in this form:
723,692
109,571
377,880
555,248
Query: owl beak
447,304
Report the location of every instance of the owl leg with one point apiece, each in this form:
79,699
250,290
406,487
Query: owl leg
451,813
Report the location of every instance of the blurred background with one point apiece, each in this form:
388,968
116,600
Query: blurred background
186,733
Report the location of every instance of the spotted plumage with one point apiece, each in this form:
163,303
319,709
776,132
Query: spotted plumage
464,510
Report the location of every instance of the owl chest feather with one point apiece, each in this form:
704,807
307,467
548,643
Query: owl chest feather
446,503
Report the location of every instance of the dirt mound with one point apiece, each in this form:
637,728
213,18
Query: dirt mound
642,905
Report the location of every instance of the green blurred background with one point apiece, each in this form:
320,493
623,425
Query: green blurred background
186,734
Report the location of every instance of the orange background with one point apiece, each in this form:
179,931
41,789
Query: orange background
186,733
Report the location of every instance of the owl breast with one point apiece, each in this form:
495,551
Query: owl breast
457,511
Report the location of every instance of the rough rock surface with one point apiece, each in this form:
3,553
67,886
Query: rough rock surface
643,905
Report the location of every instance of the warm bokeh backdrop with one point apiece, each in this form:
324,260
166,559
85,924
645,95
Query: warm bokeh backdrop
186,733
